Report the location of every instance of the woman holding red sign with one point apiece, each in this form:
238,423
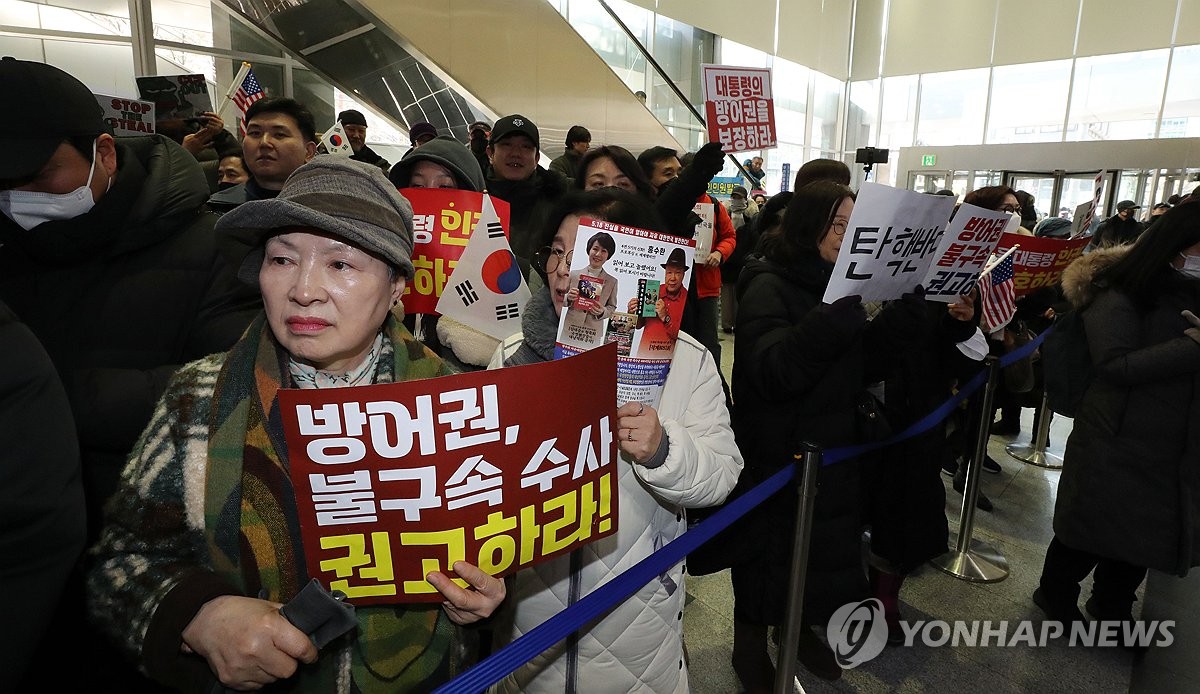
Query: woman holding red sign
203,543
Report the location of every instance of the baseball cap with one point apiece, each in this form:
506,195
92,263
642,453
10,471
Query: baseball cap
421,130
352,117
63,105
515,124
1128,205
739,190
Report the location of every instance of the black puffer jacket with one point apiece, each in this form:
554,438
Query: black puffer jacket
1130,487
41,496
529,206
123,295
798,376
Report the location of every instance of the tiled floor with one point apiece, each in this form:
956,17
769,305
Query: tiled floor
1020,527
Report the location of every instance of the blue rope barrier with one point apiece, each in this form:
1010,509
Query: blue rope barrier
495,667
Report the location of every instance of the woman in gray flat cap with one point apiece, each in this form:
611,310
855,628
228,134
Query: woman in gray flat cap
202,543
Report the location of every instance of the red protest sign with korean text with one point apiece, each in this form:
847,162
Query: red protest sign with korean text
1039,262
393,481
443,219
739,107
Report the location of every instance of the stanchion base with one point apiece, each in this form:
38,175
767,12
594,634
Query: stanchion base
982,563
1032,456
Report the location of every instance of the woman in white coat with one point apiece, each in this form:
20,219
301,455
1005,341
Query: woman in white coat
678,456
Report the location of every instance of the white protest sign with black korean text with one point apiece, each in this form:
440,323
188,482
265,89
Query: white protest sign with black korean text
889,243
966,247
706,229
127,116
486,291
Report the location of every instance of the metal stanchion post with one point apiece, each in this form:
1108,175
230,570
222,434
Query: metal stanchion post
807,466
972,560
1035,452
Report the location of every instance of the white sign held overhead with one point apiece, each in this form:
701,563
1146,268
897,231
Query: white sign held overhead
890,242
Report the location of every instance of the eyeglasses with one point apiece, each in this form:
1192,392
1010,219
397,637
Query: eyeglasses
551,257
838,228
1010,208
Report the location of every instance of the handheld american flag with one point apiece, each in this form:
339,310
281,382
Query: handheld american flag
997,296
247,92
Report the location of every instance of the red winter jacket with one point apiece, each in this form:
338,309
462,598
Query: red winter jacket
708,279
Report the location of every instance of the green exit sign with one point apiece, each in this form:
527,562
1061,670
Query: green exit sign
928,159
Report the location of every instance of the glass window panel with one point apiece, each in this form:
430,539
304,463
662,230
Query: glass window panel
22,48
104,68
107,18
952,107
827,104
380,131
1078,188
1029,102
1181,112
680,49
899,112
1040,186
1117,97
610,42
789,85
860,120
173,62
183,22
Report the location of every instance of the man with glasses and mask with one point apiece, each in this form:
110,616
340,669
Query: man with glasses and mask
107,256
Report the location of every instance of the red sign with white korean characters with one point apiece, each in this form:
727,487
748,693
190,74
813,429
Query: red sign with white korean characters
1040,262
443,219
502,468
739,107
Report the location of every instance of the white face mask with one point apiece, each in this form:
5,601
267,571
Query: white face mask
29,209
1191,266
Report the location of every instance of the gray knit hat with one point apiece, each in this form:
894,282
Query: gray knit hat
348,199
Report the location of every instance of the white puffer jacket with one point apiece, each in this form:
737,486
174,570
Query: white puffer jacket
638,645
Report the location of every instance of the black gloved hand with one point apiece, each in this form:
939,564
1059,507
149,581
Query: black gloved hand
709,160
846,316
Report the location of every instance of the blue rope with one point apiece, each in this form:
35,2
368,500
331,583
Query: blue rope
496,666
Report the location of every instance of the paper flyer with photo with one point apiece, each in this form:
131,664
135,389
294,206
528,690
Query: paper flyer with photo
639,306
176,98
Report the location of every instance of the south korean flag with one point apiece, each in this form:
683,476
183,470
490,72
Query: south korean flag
486,291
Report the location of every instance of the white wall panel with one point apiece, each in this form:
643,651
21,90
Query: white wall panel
1189,23
1120,26
749,22
926,36
868,40
1035,30
816,34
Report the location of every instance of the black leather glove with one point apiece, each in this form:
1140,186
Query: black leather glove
709,161
676,200
846,316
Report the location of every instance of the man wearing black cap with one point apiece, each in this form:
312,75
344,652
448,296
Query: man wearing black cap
513,175
107,256
354,124
1121,229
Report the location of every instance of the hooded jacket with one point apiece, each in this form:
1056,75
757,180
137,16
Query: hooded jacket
123,295
1130,486
446,151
